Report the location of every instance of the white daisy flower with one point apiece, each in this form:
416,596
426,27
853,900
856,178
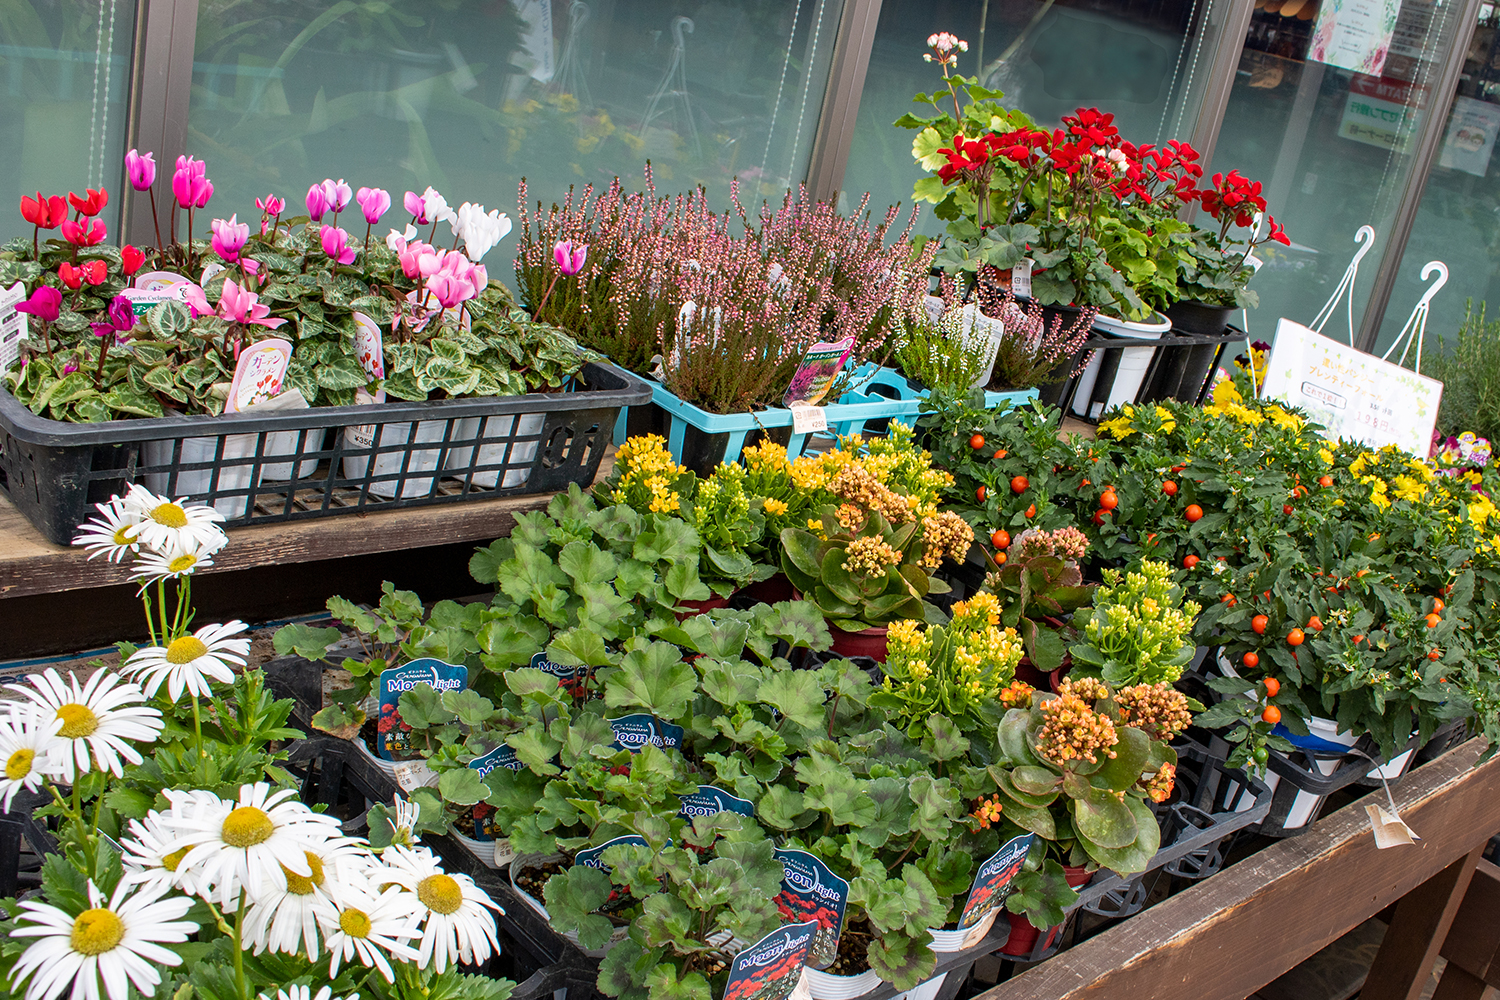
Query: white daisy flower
306,993
150,855
363,926
109,534
285,920
251,844
175,524
31,749
170,564
456,926
191,661
98,717
109,942
404,816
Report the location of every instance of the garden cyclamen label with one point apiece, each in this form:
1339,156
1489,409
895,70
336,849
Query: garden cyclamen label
990,882
709,801
772,968
809,891
393,735
633,732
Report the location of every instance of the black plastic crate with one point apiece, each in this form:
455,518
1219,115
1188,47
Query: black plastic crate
319,462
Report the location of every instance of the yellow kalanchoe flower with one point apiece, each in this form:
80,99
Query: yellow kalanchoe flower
774,507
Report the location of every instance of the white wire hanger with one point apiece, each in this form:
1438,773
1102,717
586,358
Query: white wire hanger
571,77
673,85
1416,324
1366,238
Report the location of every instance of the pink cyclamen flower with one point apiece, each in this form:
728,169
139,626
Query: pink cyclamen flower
190,183
569,260
238,305
449,289
336,245
272,205
229,237
45,303
197,302
338,194
417,207
68,369
317,202
141,169
374,202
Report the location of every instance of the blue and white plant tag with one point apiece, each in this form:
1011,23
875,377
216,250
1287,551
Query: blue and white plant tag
811,892
991,885
709,801
502,758
392,735
775,967
633,732
567,677
593,857
12,325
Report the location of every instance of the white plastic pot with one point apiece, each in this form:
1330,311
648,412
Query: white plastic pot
389,463
197,482
1132,366
388,767
976,328
285,443
521,453
827,986
944,942
491,852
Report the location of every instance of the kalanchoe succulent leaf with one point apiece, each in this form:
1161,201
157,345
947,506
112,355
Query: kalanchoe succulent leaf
1135,856
1132,754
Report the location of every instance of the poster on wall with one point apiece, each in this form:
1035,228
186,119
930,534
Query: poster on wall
1354,34
1470,139
1352,394
1381,112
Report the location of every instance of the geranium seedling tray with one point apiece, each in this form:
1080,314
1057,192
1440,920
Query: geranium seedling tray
320,462
880,395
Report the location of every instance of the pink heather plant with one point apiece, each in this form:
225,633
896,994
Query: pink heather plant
1033,352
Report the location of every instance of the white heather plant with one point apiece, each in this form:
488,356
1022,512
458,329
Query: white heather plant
185,864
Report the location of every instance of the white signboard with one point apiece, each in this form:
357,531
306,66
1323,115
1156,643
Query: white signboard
1354,34
1353,394
1472,128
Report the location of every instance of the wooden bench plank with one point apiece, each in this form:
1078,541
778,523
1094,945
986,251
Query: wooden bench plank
1229,936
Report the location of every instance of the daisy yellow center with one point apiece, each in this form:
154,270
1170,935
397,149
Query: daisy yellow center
302,885
182,564
122,536
171,861
355,923
246,827
170,515
78,721
96,931
186,650
440,893
19,764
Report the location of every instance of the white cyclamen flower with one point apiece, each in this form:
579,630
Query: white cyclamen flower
480,230
306,993
109,942
170,564
109,533
175,524
96,718
286,920
363,926
250,844
30,748
435,207
191,661
456,926
398,241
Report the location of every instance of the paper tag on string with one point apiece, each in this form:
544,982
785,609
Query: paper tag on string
1020,279
809,419
12,325
814,376
414,774
1390,830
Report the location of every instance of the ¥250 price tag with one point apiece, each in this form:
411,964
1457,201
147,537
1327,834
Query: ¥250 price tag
809,419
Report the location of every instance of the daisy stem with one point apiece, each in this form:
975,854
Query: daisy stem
197,729
223,924
145,596
239,951
161,607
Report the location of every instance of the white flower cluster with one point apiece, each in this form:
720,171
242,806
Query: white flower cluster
167,538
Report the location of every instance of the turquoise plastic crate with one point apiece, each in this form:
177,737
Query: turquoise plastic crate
881,393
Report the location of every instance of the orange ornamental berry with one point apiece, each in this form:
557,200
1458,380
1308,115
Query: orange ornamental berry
981,493
976,442
1325,481
1169,488
1031,511
1273,687
1295,637
1189,561
1434,654
1108,500
1315,623
1099,516
1000,558
1272,714
1287,509
1019,484
1356,639
1251,659
1193,512
1259,623
1438,605
1000,539
1434,620
1228,599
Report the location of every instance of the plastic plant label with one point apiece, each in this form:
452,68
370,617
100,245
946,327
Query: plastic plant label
1389,829
369,346
571,678
991,882
633,732
258,374
483,815
393,735
1020,279
709,801
809,419
504,853
593,856
773,968
809,891
414,774
502,756
153,281
816,372
12,325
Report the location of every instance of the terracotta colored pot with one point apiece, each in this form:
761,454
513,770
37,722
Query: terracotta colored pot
871,642
770,590
698,607
1024,934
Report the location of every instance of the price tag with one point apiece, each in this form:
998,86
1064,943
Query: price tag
1020,279
414,774
12,325
809,419
504,853
1390,830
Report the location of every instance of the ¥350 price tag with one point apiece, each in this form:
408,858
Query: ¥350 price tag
809,419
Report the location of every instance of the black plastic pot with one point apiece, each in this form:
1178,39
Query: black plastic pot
1198,317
